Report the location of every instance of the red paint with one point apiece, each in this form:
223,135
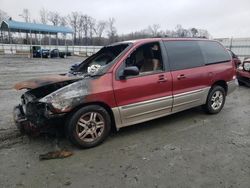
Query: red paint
113,92
142,88
243,73
102,90
201,77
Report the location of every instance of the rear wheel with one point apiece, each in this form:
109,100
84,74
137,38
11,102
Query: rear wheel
89,126
215,100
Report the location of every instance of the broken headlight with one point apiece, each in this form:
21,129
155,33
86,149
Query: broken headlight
68,96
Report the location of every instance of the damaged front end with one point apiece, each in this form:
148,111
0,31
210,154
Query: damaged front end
46,105
31,115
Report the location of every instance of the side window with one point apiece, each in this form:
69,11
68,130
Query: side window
147,58
184,54
214,52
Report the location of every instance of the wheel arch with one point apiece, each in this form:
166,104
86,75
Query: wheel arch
221,83
102,104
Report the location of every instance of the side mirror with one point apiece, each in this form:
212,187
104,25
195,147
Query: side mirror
74,67
130,71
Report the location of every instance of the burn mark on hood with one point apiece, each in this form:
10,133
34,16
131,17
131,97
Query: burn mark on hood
68,97
43,81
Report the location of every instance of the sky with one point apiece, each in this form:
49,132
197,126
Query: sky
222,18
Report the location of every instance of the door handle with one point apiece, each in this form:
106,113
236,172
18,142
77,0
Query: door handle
161,78
181,76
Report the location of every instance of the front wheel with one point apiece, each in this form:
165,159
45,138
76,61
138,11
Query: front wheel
215,100
89,126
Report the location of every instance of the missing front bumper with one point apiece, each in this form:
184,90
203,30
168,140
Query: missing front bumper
36,123
21,122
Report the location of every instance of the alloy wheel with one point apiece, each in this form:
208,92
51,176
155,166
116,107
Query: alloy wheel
217,100
90,126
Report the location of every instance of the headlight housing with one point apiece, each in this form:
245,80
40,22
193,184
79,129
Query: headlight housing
67,97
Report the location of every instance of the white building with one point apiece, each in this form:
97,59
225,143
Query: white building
240,46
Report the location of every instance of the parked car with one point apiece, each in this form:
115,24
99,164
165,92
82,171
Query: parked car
57,53
41,52
243,73
128,83
236,59
54,53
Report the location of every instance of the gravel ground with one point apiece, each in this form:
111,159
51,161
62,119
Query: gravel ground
188,149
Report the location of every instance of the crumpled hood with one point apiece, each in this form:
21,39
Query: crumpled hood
43,81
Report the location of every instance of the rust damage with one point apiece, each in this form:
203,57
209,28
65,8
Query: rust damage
43,81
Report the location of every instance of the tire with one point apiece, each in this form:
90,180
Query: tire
241,83
88,127
215,100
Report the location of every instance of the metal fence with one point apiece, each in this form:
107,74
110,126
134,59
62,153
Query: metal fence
22,49
240,46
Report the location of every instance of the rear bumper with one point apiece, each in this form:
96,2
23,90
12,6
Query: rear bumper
231,86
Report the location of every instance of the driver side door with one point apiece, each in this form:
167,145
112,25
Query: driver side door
145,96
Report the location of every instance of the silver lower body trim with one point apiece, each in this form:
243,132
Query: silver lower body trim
148,110
143,111
190,99
231,86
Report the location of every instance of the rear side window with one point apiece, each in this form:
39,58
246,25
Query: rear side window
214,52
184,54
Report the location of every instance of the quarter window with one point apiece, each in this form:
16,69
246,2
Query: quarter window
214,52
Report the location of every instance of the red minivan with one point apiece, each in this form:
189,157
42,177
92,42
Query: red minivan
128,83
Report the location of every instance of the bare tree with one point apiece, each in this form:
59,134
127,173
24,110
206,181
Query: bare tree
194,32
3,16
100,27
43,16
181,32
92,24
170,33
83,28
73,19
154,29
87,30
63,21
25,15
111,30
54,18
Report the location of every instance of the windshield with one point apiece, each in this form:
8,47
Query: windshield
102,60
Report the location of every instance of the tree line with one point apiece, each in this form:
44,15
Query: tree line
89,31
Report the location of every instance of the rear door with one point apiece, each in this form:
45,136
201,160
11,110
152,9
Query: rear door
147,95
191,79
